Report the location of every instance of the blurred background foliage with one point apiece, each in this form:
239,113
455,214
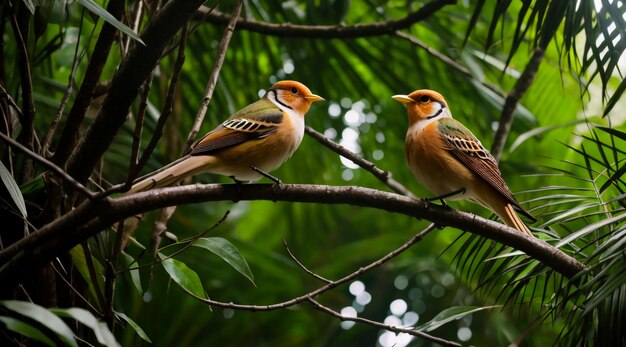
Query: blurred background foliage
556,160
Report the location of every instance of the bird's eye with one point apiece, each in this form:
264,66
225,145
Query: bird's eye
294,90
425,98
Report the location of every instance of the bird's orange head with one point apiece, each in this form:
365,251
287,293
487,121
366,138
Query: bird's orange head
424,104
292,95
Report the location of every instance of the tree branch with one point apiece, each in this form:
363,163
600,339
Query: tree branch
413,332
93,216
320,290
384,176
313,274
70,132
45,162
512,99
217,67
125,85
447,60
326,31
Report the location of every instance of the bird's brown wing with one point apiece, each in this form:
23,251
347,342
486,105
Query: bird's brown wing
468,149
255,121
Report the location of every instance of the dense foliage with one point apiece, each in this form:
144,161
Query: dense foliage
563,157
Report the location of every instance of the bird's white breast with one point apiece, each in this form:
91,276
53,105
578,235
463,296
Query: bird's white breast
418,126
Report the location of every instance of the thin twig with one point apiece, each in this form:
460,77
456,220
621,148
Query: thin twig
71,130
326,31
219,60
141,113
26,136
395,329
68,91
512,99
74,290
45,162
293,257
125,85
166,111
384,176
320,290
188,243
16,107
447,60
93,276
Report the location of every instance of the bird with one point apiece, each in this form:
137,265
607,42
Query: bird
249,144
451,162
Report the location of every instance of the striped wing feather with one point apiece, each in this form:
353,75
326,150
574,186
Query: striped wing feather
255,121
468,149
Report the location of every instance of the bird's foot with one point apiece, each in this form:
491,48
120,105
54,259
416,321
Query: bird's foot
267,175
446,195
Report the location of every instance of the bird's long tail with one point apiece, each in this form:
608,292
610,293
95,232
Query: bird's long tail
510,218
173,173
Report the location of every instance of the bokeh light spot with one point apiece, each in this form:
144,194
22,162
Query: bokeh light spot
401,282
356,288
364,298
410,319
464,334
334,110
228,313
437,291
398,307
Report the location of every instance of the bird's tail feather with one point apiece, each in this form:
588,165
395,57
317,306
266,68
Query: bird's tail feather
173,173
511,219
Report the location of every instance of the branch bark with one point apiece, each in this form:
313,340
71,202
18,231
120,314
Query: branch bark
383,176
125,85
326,31
70,132
512,99
217,67
92,217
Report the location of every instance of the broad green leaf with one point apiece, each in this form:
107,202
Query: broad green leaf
78,259
450,314
133,325
135,276
13,188
54,11
183,275
102,13
25,329
100,329
227,251
43,316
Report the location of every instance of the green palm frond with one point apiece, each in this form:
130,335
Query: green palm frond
601,23
588,222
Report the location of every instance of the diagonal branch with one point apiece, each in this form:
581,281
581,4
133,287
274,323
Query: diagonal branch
384,176
326,31
91,217
313,274
219,60
324,288
409,331
512,99
125,85
70,133
447,60
45,162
